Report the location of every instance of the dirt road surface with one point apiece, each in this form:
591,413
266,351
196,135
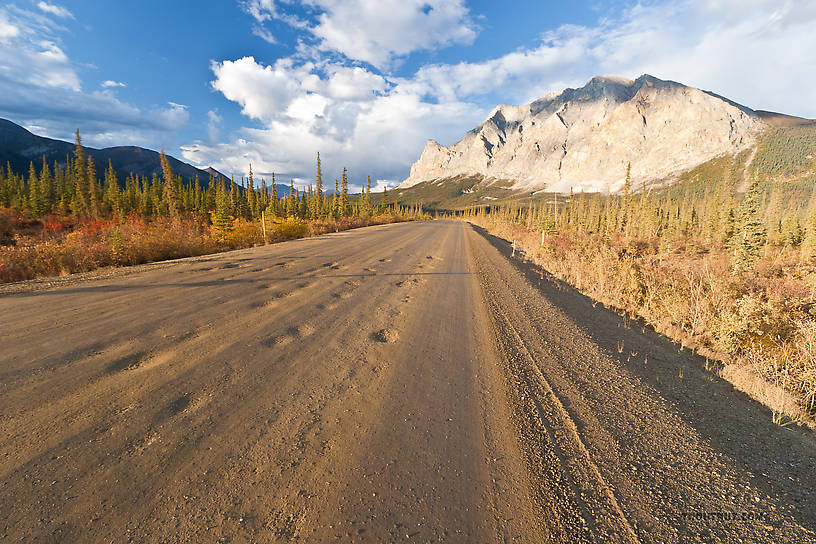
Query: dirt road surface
406,382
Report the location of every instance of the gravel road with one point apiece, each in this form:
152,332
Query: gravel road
408,382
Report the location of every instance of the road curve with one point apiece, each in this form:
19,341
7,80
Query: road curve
407,382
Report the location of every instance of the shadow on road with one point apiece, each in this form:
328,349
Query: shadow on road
113,288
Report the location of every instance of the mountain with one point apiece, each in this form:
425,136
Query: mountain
19,147
583,139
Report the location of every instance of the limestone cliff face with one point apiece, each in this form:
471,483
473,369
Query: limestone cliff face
584,138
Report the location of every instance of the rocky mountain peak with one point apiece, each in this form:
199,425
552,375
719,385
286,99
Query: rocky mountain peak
583,138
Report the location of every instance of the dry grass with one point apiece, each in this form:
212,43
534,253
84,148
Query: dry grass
762,323
54,246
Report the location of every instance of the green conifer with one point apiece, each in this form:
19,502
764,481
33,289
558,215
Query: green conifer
222,216
344,200
750,232
80,197
111,195
170,193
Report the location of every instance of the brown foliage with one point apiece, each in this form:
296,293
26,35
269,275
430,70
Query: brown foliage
765,318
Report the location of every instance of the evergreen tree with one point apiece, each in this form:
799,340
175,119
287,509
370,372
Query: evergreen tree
344,200
80,203
335,211
273,201
35,203
750,234
291,205
626,217
170,193
319,186
111,195
47,188
222,216
252,201
365,198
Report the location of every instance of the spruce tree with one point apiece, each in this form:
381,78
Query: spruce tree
626,207
111,195
365,198
34,196
335,211
170,193
273,200
344,200
252,201
79,206
291,205
222,217
47,189
319,187
750,234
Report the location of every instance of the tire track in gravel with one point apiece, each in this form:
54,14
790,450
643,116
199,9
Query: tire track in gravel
401,382
679,452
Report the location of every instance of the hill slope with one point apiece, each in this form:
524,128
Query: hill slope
19,147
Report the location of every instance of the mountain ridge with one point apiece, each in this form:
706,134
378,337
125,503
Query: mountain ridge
19,147
584,138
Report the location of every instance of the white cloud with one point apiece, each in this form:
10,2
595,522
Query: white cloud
263,34
7,30
354,117
214,121
41,87
354,83
375,31
372,31
261,10
262,91
756,52
56,10
110,84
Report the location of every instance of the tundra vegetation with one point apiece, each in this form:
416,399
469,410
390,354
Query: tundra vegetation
62,218
731,275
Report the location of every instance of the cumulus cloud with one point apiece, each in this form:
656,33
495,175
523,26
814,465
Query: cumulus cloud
41,88
375,31
372,31
757,52
354,117
56,10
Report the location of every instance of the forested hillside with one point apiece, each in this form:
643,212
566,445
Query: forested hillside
62,219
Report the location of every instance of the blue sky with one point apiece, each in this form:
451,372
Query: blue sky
366,82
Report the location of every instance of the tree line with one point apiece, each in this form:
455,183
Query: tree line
75,189
766,216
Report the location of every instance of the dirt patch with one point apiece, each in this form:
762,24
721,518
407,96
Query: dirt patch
385,336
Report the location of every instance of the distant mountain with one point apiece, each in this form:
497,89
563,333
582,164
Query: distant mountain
19,147
583,138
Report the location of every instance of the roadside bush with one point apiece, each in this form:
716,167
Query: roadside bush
56,246
290,229
765,319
